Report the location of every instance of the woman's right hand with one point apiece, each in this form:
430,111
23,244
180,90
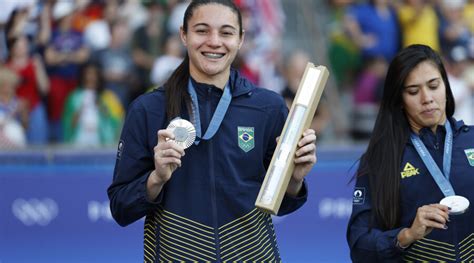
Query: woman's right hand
167,155
167,158
427,217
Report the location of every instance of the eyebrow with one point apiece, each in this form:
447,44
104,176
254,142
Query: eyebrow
222,27
417,85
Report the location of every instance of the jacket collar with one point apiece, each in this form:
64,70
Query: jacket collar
239,85
456,126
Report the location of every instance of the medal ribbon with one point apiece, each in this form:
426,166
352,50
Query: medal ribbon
441,180
218,116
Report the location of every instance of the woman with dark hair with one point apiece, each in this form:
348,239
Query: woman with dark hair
415,180
200,204
33,87
92,115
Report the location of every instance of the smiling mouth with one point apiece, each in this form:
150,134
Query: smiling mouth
212,55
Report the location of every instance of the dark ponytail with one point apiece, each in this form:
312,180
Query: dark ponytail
176,90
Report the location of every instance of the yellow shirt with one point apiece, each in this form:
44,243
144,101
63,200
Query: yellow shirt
422,29
469,16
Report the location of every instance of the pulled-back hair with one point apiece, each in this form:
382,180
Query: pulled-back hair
176,85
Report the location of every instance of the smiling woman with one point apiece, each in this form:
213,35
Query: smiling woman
414,182
212,43
200,204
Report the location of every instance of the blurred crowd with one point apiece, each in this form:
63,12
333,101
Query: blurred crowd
70,68
365,35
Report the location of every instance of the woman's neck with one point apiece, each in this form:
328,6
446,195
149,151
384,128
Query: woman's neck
19,61
417,128
219,80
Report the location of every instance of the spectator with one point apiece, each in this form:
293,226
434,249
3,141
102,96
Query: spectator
92,116
147,45
264,22
374,28
454,30
175,20
164,65
456,64
294,70
64,54
87,12
13,112
343,54
366,95
33,86
32,20
117,63
419,24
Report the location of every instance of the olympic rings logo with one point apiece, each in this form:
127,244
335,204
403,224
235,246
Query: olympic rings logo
35,211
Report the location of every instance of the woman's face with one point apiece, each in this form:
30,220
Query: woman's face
91,77
212,42
424,97
20,47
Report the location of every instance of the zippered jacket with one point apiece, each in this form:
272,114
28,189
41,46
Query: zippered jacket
369,243
206,211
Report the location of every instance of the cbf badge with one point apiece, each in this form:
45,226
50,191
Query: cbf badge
470,156
246,138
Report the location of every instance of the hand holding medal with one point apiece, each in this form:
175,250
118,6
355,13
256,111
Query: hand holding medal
172,141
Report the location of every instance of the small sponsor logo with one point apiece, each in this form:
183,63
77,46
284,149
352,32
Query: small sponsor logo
120,149
358,197
409,171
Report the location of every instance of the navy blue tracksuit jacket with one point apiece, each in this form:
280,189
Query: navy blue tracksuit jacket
418,188
206,211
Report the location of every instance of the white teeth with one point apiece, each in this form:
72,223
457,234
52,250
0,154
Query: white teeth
213,55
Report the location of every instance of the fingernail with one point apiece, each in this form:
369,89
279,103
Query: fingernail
445,227
448,220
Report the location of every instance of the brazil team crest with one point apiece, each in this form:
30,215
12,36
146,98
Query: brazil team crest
246,138
470,156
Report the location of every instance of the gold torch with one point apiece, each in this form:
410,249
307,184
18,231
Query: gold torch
299,119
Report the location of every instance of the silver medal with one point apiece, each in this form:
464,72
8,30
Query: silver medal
184,132
457,203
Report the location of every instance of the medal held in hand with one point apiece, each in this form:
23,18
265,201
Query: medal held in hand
458,204
184,132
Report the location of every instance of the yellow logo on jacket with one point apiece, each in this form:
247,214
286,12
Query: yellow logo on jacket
409,171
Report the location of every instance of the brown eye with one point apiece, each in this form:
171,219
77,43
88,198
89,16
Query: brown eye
411,91
201,31
227,33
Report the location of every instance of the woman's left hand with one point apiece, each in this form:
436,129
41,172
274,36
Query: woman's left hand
305,158
305,155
